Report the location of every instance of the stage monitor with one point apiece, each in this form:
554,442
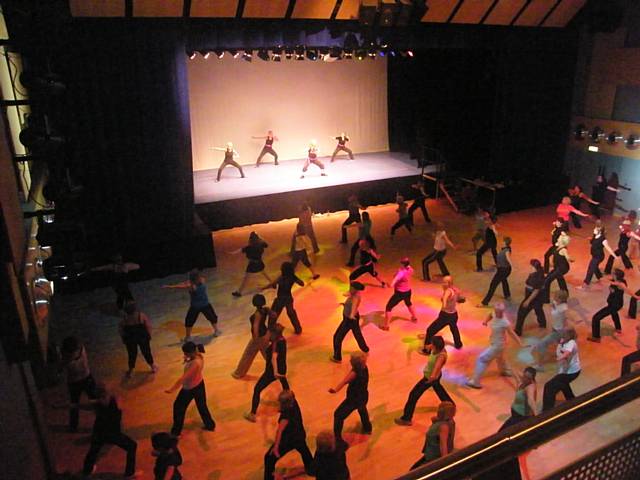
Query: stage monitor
232,100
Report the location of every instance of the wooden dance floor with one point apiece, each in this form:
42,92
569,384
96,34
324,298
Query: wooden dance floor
235,450
269,179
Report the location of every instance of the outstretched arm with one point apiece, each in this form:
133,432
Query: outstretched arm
220,149
258,137
185,284
346,380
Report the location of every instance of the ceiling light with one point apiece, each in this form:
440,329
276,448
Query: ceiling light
580,132
632,141
614,137
596,135
192,55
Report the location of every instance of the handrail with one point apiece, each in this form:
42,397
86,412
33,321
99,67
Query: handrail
506,445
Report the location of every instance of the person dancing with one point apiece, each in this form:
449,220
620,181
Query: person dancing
558,228
561,261
305,217
268,147
300,248
598,193
448,316
526,397
480,218
631,358
312,157
576,195
440,242
623,245
119,272
490,242
364,233
229,155
199,303
135,330
253,251
401,285
357,381
439,438
75,364
350,321
598,245
564,210
290,435
353,207
419,202
259,336
533,297
330,460
432,375
503,270
559,324
275,368
284,298
403,216
191,385
341,146
500,326
568,370
368,260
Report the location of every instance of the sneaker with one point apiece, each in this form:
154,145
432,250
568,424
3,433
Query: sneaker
367,431
298,331
216,333
472,384
482,305
334,359
251,417
594,339
154,368
236,376
129,373
236,294
584,286
211,428
479,270
506,374
401,421
316,276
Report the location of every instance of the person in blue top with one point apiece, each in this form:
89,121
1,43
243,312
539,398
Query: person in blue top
199,303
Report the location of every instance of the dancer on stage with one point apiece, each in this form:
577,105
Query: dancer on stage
558,228
353,208
559,323
623,245
420,202
500,326
533,297
576,195
341,146
561,261
401,285
368,260
448,316
259,336
598,245
191,385
564,210
268,147
199,303
490,242
284,298
305,217
275,368
290,435
135,330
440,242
631,358
615,302
503,270
364,233
350,321
403,216
301,248
330,460
253,251
432,374
439,438
524,402
357,381
229,155
312,157
568,370
119,278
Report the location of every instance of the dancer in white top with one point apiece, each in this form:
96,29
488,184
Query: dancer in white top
440,242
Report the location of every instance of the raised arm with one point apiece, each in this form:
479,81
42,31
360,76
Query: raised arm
345,381
588,199
183,285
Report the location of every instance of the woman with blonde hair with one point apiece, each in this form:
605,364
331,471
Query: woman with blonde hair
330,460
439,438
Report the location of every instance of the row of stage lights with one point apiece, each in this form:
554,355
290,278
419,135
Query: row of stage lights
300,53
598,135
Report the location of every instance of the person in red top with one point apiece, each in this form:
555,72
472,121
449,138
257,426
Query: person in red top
401,292
564,211
268,147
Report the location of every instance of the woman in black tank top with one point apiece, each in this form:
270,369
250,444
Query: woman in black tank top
135,331
267,148
253,251
615,302
259,340
229,159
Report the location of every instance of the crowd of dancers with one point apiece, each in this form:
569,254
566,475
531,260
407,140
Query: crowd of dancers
267,334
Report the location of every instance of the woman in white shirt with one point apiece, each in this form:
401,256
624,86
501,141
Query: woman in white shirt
440,242
568,370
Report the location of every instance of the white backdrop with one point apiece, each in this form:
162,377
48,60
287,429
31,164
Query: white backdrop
231,100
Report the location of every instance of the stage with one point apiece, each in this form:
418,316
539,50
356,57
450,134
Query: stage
272,192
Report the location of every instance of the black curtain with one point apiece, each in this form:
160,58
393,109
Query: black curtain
131,131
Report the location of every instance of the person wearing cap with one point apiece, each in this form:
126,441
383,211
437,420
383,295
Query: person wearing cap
229,155
259,340
401,284
350,321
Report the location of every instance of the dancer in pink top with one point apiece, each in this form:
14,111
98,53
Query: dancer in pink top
401,292
565,209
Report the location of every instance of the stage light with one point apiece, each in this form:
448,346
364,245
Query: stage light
596,135
410,53
205,55
632,141
348,55
614,137
192,55
312,54
372,53
263,55
234,53
299,53
580,132
360,54
288,53
219,53
593,148
247,55
276,57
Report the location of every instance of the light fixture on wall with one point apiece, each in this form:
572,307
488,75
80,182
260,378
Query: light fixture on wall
580,132
219,53
597,134
247,55
614,137
632,141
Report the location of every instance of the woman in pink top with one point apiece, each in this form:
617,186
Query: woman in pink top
192,385
401,292
565,209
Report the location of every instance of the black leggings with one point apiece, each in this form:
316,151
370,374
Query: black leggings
398,297
416,392
285,447
482,250
268,150
193,312
593,269
356,246
535,305
558,276
119,440
350,219
419,204
633,306
132,351
559,383
434,256
86,385
444,319
342,330
628,360
300,256
602,314
280,303
344,410
266,379
623,256
362,269
402,222
182,401
233,163
500,277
